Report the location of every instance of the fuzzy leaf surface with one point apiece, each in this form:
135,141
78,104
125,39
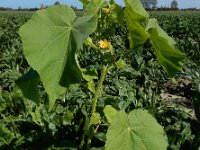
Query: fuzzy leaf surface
168,56
136,131
93,7
137,19
110,113
50,40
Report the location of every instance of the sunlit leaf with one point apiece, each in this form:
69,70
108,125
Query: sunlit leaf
137,19
93,7
50,40
121,64
110,113
91,86
136,131
95,118
89,74
89,42
168,56
6,135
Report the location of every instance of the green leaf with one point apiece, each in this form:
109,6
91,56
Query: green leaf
137,19
50,40
121,64
117,13
95,118
110,113
28,83
52,127
59,109
168,56
91,86
6,136
89,42
136,131
68,117
94,6
37,116
85,3
89,74
153,24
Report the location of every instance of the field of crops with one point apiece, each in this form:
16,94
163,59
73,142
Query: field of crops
137,81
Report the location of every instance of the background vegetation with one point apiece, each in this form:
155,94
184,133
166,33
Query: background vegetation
141,84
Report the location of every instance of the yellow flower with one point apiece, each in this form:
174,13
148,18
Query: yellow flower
103,44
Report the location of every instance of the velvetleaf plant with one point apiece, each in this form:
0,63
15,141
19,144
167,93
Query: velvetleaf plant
51,39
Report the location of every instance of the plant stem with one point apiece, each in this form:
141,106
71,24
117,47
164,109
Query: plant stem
98,89
96,95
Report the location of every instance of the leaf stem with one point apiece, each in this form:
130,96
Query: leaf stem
92,131
98,89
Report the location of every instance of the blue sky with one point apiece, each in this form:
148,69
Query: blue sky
37,3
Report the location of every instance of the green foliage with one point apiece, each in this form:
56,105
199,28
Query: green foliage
110,113
12,62
177,25
29,85
194,76
61,35
84,2
89,74
93,7
170,58
25,123
133,79
137,130
95,119
137,19
182,133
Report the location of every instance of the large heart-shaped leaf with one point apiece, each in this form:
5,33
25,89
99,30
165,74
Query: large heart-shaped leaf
93,7
168,56
136,131
50,40
137,19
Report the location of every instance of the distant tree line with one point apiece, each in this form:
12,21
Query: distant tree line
152,5
148,5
